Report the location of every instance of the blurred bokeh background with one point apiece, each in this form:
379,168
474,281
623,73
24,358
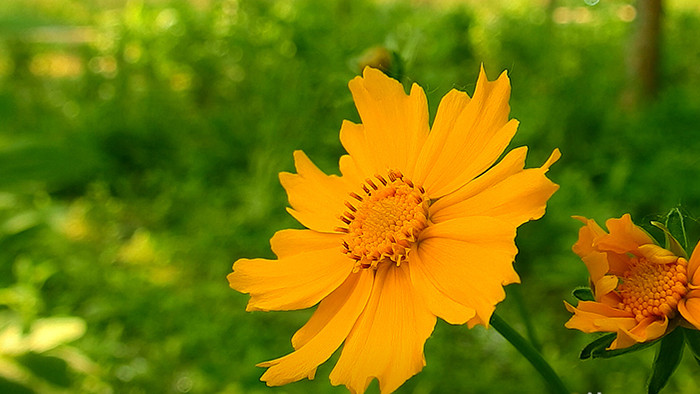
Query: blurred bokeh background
140,143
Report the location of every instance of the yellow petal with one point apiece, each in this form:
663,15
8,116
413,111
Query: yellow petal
286,243
316,198
512,163
434,294
599,260
516,199
470,260
451,107
693,265
597,264
352,136
395,124
592,316
605,285
353,176
295,282
624,236
656,254
689,307
587,236
387,340
645,331
323,333
466,143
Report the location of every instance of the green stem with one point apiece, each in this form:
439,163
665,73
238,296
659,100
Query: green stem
530,353
529,327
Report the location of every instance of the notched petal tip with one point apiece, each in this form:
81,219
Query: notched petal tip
553,158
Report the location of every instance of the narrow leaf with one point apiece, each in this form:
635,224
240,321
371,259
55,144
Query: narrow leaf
692,338
602,353
600,343
675,222
667,359
672,243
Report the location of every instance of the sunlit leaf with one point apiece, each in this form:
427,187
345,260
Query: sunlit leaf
50,332
11,342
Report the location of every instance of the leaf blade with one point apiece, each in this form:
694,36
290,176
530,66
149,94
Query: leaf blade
667,359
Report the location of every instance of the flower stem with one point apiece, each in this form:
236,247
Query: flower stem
530,353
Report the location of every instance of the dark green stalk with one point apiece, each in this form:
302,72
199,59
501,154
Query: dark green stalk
530,353
529,327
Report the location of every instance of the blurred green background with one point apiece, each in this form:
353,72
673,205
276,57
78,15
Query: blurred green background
140,143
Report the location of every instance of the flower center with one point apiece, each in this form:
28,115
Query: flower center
384,222
652,289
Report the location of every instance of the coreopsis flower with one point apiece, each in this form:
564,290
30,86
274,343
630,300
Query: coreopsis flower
420,225
642,291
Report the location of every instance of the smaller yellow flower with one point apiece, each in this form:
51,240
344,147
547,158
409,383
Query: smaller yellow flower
638,286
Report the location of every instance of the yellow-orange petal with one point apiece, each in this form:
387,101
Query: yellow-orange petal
468,145
516,199
693,265
512,163
598,261
470,260
352,137
656,254
295,282
316,341
395,124
435,295
387,341
689,307
286,243
624,236
587,235
597,264
590,316
605,285
449,110
316,198
647,330
352,175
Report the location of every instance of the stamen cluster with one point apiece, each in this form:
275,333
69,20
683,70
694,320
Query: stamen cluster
652,289
383,222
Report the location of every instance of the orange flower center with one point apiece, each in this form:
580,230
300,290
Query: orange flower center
652,289
384,221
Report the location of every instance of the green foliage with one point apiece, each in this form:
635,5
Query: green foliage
140,144
668,357
599,348
583,294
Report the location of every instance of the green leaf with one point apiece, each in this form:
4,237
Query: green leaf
692,338
584,294
619,352
597,348
667,359
675,222
600,343
674,232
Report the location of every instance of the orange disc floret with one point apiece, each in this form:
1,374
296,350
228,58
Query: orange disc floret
650,289
383,222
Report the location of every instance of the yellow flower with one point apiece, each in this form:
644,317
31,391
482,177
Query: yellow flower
420,224
638,286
